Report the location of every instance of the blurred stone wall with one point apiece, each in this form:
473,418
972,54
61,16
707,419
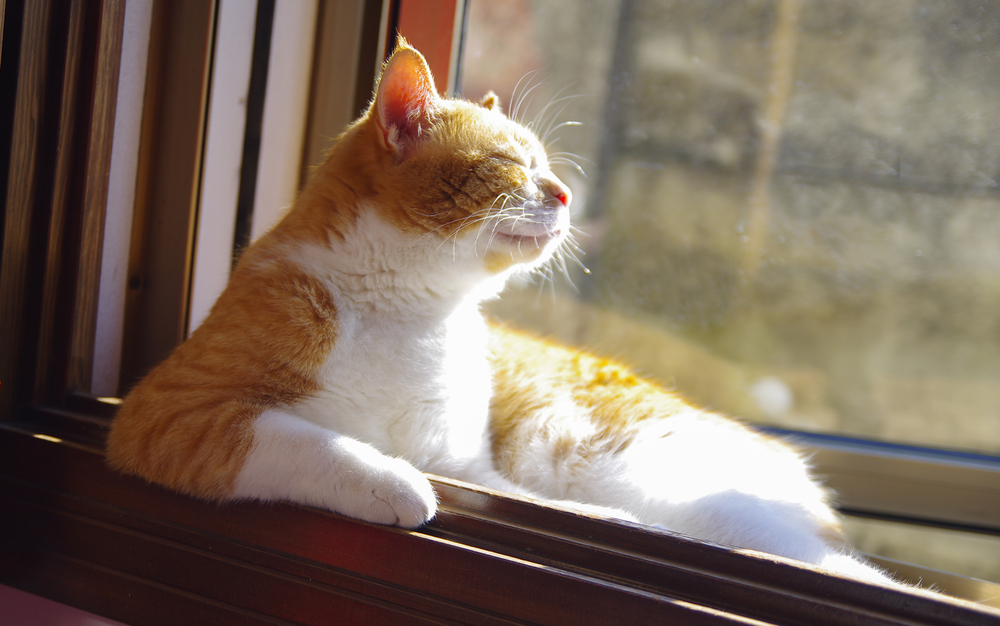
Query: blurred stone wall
870,284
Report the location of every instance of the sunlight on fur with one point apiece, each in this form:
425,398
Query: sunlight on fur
348,355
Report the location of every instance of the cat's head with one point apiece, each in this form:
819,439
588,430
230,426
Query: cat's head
459,172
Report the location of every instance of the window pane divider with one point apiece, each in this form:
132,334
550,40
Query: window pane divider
952,489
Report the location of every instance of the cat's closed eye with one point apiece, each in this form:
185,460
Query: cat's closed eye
504,157
529,162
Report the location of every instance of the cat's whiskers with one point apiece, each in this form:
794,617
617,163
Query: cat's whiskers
525,101
546,274
544,125
548,133
430,232
569,158
560,259
507,215
507,208
568,250
516,98
570,163
478,216
505,197
571,251
482,216
483,221
539,118
546,120
500,217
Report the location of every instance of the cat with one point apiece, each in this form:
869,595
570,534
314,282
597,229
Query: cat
348,355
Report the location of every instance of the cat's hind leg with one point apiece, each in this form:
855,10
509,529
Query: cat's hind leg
293,459
697,474
711,478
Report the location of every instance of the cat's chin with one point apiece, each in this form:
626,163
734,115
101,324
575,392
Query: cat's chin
529,242
529,249
530,238
508,250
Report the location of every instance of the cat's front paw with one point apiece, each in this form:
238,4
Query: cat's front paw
391,492
298,461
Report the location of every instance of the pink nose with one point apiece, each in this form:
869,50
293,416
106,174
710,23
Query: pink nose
558,191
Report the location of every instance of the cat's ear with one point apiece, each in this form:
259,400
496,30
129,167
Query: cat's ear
405,99
490,101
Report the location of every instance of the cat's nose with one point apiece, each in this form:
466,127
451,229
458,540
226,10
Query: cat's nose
557,190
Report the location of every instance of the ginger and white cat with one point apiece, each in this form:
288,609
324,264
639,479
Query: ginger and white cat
348,355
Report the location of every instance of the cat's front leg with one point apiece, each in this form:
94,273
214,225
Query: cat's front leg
293,459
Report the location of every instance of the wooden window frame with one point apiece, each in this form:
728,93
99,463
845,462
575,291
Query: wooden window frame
76,532
116,546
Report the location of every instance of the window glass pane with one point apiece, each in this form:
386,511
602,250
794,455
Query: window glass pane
791,210
965,554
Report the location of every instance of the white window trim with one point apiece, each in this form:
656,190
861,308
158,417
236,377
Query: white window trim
121,198
220,185
286,108
286,103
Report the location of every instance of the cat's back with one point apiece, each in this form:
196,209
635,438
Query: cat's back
590,416
271,330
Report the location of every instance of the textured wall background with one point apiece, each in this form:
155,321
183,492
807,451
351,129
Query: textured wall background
838,233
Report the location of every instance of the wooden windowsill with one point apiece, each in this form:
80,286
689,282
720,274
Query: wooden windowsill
77,532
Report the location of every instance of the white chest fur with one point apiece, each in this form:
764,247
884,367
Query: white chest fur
410,388
409,372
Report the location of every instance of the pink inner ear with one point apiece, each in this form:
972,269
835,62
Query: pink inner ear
405,96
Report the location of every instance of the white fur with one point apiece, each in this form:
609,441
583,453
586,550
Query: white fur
409,377
293,459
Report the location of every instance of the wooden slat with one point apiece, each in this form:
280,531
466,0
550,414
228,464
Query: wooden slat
371,52
168,182
59,155
206,564
95,194
335,74
3,13
63,220
115,595
16,327
198,572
